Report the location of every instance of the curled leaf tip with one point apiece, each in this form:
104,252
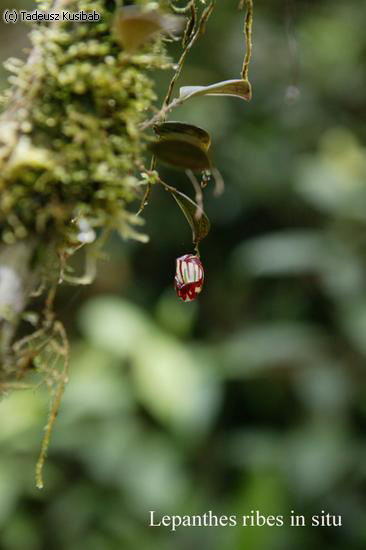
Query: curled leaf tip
235,88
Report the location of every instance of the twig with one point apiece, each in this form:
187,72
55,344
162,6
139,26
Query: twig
167,103
183,9
248,23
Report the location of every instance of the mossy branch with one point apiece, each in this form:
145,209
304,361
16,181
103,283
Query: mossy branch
70,147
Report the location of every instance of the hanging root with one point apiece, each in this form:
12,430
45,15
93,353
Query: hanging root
55,380
47,350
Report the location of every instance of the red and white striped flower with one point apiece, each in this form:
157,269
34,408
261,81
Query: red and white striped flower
189,277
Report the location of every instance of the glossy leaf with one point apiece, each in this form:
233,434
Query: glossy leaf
195,216
235,88
133,26
181,130
183,153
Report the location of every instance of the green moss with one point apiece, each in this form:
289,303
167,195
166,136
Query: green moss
70,141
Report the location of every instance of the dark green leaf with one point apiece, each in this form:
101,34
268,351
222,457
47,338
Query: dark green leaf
196,217
181,130
181,153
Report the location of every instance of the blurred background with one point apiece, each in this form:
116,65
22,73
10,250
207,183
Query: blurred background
252,397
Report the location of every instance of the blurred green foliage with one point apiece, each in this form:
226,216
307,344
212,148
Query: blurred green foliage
253,397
